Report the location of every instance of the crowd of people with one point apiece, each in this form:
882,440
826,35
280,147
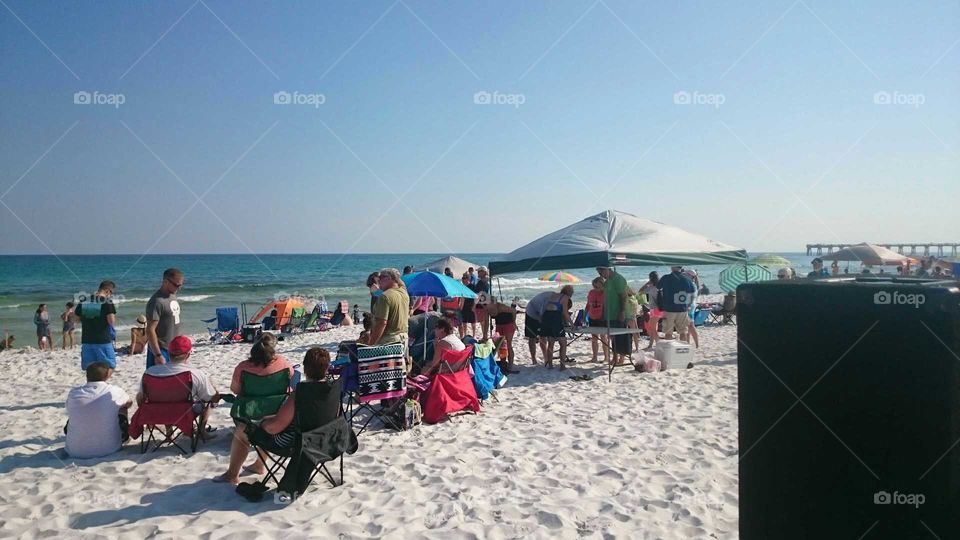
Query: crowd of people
97,410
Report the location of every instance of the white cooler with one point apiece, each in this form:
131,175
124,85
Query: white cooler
673,354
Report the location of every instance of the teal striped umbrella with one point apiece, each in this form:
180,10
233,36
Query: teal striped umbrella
732,276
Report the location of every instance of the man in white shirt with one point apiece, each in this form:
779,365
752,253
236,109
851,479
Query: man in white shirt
202,390
96,413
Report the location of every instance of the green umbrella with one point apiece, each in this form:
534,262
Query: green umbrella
769,259
732,276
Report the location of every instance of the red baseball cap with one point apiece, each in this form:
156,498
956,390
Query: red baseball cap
179,346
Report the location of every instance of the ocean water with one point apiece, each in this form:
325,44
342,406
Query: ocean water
213,281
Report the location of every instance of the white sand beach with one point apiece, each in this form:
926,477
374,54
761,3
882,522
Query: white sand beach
643,456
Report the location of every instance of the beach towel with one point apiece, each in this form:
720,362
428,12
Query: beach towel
486,374
381,372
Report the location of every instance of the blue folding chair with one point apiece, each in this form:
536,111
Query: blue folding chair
228,325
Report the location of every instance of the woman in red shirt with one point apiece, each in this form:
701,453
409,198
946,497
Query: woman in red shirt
595,313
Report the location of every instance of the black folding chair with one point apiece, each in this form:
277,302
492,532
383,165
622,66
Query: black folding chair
321,435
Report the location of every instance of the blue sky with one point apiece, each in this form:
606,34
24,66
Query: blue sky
761,124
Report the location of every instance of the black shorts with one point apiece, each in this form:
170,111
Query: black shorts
622,343
551,326
599,323
468,316
531,327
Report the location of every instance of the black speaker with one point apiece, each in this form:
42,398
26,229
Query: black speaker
849,408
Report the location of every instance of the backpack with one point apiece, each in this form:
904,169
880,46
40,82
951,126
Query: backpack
412,414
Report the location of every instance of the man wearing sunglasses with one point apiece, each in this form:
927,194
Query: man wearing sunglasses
163,317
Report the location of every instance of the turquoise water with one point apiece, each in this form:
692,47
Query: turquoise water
227,280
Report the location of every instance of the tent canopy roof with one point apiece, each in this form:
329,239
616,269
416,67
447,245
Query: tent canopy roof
868,254
457,265
614,238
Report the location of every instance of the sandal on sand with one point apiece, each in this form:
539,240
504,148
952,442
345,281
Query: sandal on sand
252,492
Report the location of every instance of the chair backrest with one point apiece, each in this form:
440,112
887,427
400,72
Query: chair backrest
454,361
260,395
730,302
316,403
345,306
579,319
228,319
381,372
252,385
171,389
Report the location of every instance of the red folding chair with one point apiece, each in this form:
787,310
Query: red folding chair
167,410
452,389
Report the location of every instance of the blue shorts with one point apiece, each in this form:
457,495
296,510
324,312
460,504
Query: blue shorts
163,352
97,352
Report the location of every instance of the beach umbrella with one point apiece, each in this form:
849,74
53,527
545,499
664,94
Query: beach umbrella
770,260
735,275
867,254
560,277
435,284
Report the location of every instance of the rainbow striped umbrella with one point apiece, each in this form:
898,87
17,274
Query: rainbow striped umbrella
560,277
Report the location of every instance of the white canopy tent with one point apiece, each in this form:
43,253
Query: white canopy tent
457,265
614,238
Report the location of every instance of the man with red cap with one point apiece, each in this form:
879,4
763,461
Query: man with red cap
202,389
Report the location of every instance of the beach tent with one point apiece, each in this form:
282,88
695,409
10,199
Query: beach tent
614,238
284,309
867,254
457,265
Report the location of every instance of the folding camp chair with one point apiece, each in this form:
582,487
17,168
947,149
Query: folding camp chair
167,410
725,313
579,321
298,316
228,325
260,395
375,374
487,376
322,435
452,389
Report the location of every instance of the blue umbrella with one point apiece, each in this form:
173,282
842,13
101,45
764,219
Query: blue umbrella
434,284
